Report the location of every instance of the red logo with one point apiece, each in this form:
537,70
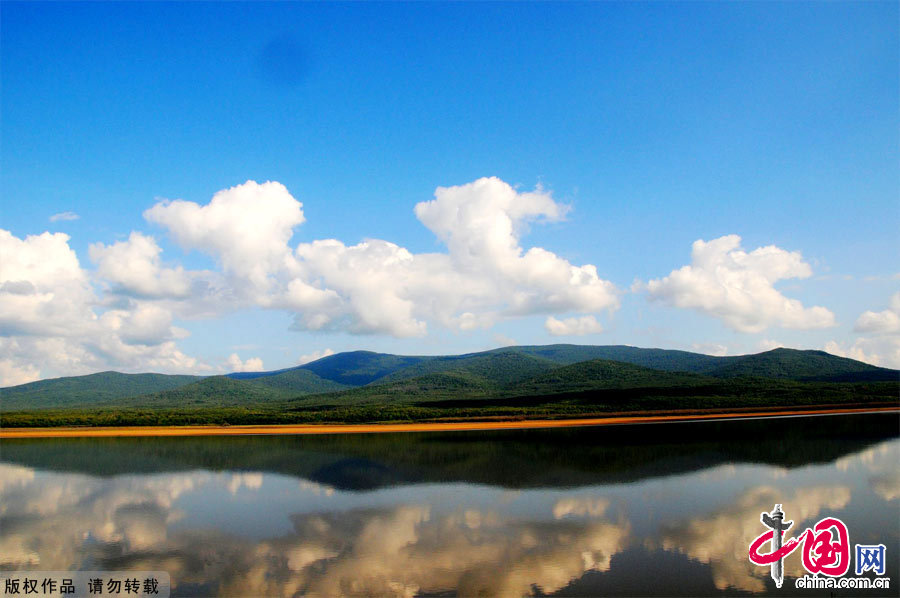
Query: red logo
822,552
826,546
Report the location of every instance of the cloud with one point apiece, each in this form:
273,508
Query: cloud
315,355
879,463
573,326
397,550
738,287
881,345
100,349
379,287
580,507
882,322
144,324
480,221
720,538
882,351
505,341
251,481
64,216
481,224
51,320
54,313
246,228
134,266
234,364
58,516
43,290
887,485
368,288
12,374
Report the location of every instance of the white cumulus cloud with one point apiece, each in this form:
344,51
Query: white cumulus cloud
370,287
142,324
53,322
379,287
134,266
56,317
252,364
247,227
573,326
43,290
881,351
737,287
12,374
880,343
881,322
481,224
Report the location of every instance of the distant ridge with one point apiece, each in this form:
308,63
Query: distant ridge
364,376
793,364
72,391
668,360
356,368
497,368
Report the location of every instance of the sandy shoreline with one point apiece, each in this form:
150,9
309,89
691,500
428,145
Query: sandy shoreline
63,432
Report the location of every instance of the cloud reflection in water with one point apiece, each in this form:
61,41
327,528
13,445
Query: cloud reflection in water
428,538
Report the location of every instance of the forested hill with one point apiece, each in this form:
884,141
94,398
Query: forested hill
76,391
367,377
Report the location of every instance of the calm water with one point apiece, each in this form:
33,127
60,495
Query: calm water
626,510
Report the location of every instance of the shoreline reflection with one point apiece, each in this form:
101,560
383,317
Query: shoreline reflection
625,528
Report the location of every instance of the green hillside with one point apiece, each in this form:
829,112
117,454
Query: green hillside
481,375
430,387
657,359
602,374
79,391
359,368
362,386
581,387
297,381
356,368
215,391
792,364
494,369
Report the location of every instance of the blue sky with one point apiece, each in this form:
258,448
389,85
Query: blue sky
657,124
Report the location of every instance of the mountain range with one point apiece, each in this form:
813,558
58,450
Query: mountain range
505,374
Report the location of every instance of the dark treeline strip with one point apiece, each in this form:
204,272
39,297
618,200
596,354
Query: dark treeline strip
723,397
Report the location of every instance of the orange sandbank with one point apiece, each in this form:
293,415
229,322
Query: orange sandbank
62,432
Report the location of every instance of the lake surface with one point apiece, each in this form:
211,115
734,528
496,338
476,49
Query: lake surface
625,510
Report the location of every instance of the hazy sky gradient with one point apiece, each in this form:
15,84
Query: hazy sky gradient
618,136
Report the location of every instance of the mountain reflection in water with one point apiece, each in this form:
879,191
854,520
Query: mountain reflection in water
652,509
